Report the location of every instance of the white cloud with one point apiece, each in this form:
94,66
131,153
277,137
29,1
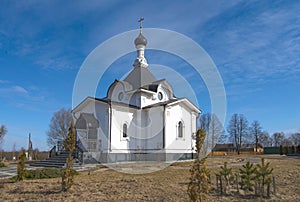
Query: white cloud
4,81
19,89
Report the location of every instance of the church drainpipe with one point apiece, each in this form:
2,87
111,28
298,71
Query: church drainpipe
164,114
110,119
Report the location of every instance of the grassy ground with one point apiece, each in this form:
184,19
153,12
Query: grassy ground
169,184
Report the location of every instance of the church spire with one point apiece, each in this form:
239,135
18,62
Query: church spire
140,45
141,26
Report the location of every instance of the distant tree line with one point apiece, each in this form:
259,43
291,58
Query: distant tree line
240,132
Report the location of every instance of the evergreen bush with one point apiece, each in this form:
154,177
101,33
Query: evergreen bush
45,173
199,185
68,173
21,165
2,165
263,174
248,175
293,149
286,150
281,150
226,173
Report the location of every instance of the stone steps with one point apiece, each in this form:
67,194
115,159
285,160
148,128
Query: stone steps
58,161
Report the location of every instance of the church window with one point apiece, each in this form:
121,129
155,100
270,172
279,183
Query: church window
121,96
180,129
160,96
125,130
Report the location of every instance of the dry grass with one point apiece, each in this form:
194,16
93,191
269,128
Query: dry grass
170,184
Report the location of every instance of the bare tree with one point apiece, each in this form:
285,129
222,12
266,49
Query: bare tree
213,128
3,131
255,131
295,138
204,124
238,130
59,125
278,138
287,142
265,139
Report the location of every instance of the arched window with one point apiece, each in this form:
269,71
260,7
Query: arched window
160,96
180,129
125,130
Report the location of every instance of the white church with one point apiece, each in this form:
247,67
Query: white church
140,119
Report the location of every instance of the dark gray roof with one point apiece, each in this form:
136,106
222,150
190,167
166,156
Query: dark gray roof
220,147
251,145
86,119
151,87
116,103
161,103
140,77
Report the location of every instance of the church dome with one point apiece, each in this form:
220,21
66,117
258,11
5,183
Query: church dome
140,40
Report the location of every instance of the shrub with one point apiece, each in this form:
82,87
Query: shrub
298,148
293,149
45,173
68,175
21,166
281,149
199,185
263,172
227,174
286,150
2,165
248,175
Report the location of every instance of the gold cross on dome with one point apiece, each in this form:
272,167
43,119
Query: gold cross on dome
140,21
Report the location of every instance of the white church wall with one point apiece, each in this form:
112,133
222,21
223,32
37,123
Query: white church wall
150,135
148,99
174,143
145,129
120,115
102,114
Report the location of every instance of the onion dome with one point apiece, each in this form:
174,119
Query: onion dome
140,40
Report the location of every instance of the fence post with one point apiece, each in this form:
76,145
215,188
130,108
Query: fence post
274,185
221,185
268,189
255,189
237,181
217,182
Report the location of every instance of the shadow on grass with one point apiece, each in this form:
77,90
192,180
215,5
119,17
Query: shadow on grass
37,192
35,188
239,196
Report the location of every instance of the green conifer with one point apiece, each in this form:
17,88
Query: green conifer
227,174
286,150
293,149
263,174
199,185
248,175
68,174
21,165
281,150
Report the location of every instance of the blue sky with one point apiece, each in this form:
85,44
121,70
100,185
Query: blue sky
254,44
